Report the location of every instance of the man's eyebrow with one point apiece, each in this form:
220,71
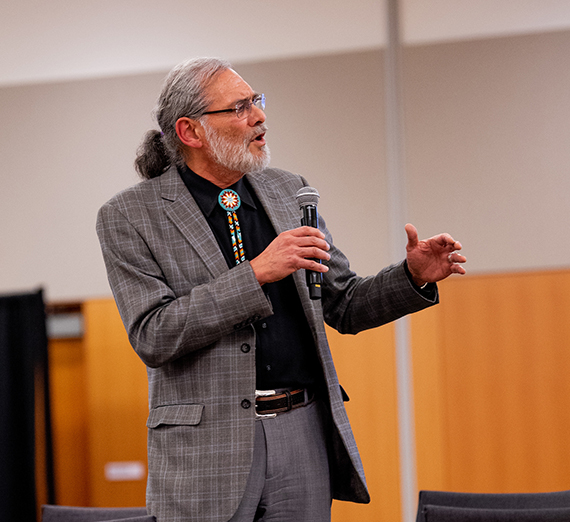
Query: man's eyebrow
247,98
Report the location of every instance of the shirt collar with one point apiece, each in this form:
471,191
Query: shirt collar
206,193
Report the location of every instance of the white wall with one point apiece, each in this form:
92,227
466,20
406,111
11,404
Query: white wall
59,39
62,39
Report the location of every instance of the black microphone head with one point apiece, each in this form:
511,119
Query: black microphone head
307,196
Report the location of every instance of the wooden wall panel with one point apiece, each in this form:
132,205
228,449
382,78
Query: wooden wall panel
429,407
117,406
500,390
367,370
69,421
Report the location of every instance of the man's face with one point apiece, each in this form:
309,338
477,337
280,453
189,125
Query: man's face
232,143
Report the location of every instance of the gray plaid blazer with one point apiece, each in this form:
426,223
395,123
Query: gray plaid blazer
189,319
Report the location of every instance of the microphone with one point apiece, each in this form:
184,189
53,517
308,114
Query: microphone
308,198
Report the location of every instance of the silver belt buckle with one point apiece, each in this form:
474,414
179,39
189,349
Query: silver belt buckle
264,393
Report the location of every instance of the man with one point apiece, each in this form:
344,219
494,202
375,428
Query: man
205,260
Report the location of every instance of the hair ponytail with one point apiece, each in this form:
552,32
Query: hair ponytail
152,157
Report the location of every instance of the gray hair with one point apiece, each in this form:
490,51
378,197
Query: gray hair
183,95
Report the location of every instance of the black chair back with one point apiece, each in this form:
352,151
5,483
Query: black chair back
462,514
492,501
94,514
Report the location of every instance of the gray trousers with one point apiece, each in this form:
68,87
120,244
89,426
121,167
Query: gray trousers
289,479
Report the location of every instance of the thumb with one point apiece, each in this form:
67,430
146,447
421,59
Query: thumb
412,234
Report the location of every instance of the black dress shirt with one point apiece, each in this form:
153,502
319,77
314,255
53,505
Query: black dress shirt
285,351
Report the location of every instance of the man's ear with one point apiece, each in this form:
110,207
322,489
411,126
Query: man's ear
186,130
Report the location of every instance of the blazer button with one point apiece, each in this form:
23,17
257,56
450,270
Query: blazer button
245,348
245,404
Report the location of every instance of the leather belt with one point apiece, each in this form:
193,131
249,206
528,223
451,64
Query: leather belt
270,403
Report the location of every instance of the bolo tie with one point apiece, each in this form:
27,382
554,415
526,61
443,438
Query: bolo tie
230,201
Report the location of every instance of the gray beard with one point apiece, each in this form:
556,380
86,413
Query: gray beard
234,155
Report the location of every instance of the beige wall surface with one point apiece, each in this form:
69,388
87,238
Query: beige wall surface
65,148
487,125
488,147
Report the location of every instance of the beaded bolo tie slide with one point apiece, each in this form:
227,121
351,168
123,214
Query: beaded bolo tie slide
230,201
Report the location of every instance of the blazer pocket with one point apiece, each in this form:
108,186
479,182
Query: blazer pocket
175,415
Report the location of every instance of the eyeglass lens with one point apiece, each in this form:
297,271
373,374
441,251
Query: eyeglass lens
244,108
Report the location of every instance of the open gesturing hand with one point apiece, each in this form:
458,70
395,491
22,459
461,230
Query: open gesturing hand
432,259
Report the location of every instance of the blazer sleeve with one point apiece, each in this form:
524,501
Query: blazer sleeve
352,303
164,322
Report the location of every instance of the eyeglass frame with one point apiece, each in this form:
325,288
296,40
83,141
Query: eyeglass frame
243,105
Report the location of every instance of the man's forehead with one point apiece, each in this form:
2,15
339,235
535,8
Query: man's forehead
228,87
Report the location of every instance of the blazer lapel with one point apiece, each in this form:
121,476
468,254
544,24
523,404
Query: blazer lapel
185,214
280,206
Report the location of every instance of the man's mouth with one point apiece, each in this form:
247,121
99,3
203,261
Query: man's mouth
260,138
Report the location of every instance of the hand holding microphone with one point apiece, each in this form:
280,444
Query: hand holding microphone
300,248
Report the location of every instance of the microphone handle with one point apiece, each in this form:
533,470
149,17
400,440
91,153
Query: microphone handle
314,279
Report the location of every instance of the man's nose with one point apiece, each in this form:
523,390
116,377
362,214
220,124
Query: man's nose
256,116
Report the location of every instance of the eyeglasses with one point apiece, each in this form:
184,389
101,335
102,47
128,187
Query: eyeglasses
243,107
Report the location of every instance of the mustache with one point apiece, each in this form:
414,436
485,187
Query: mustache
260,129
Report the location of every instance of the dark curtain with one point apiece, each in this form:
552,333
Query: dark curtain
23,363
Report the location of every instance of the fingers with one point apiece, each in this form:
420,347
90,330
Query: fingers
311,241
444,241
447,242
305,231
456,245
456,257
458,269
290,251
311,264
309,253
